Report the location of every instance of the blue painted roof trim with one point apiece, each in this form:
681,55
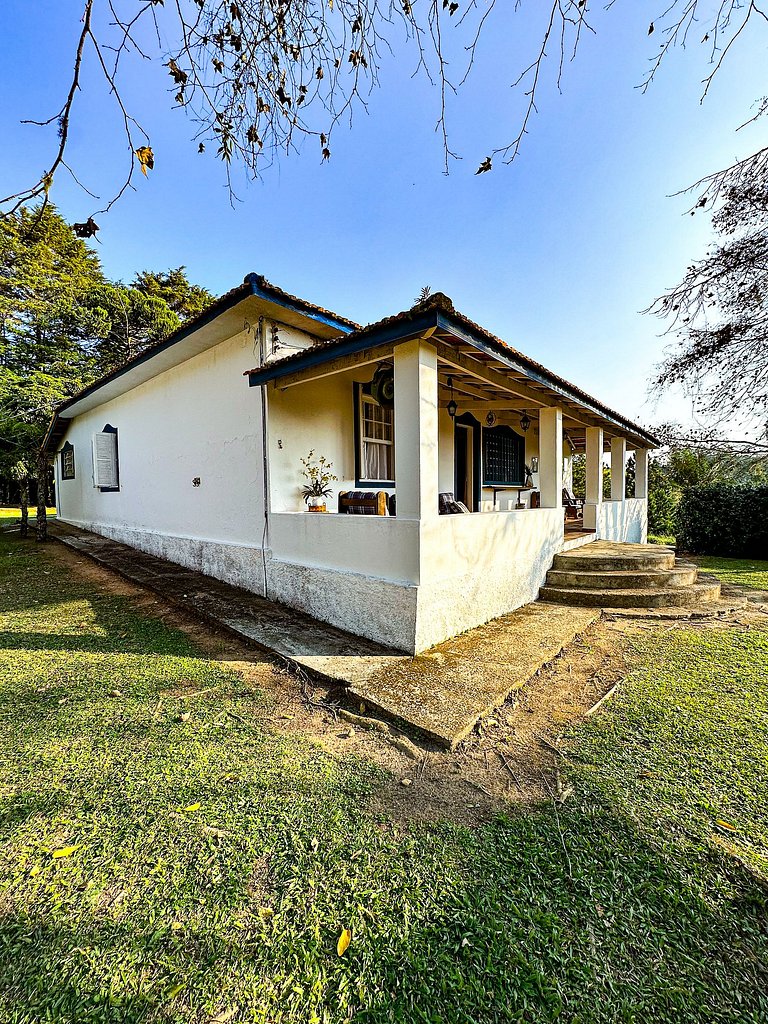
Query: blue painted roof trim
322,318
343,347
404,329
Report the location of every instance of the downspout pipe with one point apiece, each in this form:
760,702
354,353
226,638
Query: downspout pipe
265,461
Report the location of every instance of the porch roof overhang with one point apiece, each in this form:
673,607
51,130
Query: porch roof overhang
486,372
222,319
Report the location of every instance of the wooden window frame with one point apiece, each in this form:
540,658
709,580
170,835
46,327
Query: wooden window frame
67,452
362,394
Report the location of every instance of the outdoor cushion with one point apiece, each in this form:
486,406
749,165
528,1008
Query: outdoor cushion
363,503
448,506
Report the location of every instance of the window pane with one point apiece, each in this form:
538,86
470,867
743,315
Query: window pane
377,461
377,441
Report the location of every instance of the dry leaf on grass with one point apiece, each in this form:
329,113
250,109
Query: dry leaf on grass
344,940
65,851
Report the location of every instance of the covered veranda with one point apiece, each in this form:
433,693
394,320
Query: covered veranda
469,414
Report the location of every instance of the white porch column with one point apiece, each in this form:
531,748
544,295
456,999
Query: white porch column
618,468
594,490
641,472
416,456
551,457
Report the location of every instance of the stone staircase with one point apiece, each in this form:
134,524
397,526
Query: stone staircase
610,575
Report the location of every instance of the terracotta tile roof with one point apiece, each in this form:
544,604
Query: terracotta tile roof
299,303
440,303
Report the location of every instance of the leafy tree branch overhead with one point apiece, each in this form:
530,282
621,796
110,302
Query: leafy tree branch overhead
257,77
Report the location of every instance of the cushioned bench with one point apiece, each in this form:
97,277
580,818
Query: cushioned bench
363,503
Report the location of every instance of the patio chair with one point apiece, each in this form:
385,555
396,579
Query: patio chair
363,503
448,506
574,507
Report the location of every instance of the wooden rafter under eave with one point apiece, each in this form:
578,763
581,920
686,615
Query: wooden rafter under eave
333,366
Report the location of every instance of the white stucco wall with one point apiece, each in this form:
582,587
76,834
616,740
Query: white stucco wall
625,520
357,572
317,415
476,567
198,419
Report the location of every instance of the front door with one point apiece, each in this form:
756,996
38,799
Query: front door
466,454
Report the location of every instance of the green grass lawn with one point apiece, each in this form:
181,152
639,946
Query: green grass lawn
746,572
153,869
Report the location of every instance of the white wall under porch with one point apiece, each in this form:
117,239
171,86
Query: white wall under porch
625,520
476,567
406,583
359,573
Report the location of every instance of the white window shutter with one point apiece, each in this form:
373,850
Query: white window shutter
105,460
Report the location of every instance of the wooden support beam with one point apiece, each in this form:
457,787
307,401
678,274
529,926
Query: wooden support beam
488,374
350,362
461,388
514,387
512,404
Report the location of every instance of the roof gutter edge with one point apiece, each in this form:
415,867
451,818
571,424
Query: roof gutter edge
592,404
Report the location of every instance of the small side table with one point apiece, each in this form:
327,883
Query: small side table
520,503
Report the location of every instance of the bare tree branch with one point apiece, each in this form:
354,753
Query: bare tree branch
260,77
43,185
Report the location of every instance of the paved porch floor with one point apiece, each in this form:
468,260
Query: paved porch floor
440,694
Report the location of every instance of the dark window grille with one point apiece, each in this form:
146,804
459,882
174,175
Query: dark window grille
503,457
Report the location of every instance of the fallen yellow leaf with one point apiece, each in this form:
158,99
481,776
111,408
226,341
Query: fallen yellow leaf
725,824
65,851
35,870
192,807
344,940
175,990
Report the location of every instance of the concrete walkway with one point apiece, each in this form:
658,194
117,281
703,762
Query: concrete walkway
441,694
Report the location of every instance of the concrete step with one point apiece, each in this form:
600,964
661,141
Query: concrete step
648,597
597,558
644,579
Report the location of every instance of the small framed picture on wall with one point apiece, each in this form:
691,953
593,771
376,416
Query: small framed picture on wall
535,464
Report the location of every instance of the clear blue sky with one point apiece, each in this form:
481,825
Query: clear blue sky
556,254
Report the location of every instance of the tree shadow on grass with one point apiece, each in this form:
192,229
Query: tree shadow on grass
61,974
109,643
514,930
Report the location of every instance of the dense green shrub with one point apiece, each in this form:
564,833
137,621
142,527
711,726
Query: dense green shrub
724,519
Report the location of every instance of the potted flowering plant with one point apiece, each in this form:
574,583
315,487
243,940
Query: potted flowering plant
318,472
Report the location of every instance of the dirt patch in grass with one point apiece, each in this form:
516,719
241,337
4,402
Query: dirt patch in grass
510,762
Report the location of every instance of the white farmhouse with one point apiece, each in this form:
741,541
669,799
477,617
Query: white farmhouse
192,451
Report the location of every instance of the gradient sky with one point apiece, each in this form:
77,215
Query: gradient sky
557,254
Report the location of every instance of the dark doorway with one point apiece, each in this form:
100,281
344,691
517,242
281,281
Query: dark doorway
466,459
